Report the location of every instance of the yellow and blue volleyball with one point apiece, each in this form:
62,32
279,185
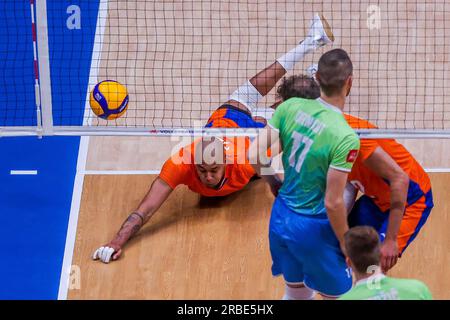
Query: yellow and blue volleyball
109,99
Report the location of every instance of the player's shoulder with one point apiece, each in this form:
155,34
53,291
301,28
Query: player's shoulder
341,131
176,167
181,160
410,284
240,172
297,100
292,104
176,170
414,288
332,116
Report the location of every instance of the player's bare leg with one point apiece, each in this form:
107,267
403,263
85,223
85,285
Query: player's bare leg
247,96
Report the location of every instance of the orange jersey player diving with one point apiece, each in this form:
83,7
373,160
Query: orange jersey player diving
216,178
182,168
374,207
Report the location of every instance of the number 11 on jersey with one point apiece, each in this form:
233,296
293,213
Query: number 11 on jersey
300,142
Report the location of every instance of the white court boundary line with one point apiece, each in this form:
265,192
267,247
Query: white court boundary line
82,158
23,172
138,172
437,170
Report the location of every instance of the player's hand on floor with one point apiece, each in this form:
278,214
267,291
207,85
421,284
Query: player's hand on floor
389,254
107,253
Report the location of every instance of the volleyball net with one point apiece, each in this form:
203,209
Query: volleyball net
180,60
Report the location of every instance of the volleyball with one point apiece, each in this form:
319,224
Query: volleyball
109,99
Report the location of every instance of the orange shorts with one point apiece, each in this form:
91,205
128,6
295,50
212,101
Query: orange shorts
366,212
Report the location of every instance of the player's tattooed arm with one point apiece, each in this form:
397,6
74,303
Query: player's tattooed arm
155,197
129,228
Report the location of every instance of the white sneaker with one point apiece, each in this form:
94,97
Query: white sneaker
320,32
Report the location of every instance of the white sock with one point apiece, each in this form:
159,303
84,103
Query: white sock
289,60
302,293
247,95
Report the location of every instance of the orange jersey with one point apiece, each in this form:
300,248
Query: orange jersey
175,172
238,171
228,116
376,187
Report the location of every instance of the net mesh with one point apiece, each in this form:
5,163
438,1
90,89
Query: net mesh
17,77
180,60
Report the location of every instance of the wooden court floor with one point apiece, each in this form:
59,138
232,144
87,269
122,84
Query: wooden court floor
218,249
196,248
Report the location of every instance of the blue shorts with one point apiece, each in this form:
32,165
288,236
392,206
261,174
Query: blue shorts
305,249
228,116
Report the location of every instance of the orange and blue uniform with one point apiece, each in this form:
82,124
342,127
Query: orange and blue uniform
228,116
238,171
373,207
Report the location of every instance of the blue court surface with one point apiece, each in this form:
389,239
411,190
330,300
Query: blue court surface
37,175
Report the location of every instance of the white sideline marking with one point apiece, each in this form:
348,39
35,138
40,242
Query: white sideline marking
73,220
23,172
82,157
437,170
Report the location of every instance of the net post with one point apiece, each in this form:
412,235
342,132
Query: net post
45,114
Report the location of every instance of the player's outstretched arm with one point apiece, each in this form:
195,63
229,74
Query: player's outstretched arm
158,193
334,203
385,167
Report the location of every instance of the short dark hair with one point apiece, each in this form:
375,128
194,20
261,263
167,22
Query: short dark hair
300,86
334,69
362,246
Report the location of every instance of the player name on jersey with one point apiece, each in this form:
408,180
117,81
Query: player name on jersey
309,122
